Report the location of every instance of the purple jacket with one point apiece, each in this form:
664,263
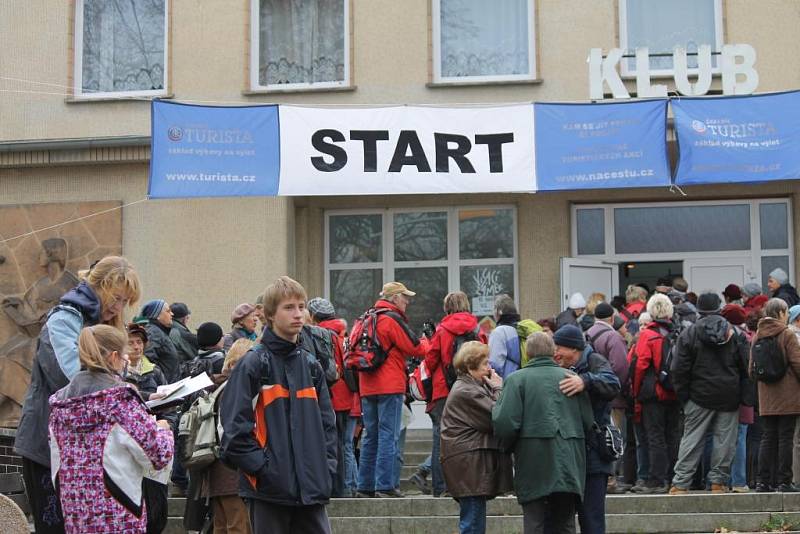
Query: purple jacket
611,344
103,443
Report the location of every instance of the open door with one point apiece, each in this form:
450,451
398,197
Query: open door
587,277
716,273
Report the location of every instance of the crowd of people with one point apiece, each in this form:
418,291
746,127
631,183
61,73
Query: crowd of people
651,392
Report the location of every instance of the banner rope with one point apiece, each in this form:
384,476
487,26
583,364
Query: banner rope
4,241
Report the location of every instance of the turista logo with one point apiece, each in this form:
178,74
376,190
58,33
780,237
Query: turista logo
210,135
727,129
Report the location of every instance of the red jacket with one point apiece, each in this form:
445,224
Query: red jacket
341,396
390,378
648,352
635,309
441,351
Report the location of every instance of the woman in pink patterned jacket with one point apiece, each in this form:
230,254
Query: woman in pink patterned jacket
103,442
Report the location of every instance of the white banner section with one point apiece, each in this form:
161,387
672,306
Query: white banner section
406,149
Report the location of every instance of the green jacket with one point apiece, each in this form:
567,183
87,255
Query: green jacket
545,429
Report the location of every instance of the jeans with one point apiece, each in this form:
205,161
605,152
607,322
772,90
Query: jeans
592,510
642,452
554,514
661,424
425,467
382,417
350,464
400,460
739,466
473,515
438,484
698,422
775,454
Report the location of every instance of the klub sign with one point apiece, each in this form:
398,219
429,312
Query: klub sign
737,61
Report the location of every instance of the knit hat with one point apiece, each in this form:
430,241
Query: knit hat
321,309
180,310
569,336
708,303
135,329
751,290
780,276
576,301
735,314
241,311
733,292
794,313
396,288
603,310
153,308
619,322
208,334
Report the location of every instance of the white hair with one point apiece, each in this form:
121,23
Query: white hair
660,307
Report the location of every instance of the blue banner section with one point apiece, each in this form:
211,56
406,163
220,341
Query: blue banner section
601,146
738,139
205,151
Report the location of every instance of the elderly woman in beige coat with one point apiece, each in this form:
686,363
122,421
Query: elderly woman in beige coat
474,467
779,402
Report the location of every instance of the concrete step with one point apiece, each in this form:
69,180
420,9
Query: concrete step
418,446
414,458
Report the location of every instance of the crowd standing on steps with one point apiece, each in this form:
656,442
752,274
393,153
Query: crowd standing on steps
665,392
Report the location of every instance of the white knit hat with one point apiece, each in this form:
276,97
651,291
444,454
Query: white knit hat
576,301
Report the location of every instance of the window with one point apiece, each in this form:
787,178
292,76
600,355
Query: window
432,251
479,41
661,26
120,48
299,45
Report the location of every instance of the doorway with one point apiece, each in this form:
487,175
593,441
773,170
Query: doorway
647,273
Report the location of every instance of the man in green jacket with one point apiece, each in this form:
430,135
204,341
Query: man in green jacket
546,431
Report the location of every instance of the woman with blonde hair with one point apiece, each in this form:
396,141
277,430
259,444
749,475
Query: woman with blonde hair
105,290
103,440
221,483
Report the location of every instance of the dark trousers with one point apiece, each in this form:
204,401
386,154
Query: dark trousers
339,477
661,424
754,434
554,514
777,443
629,459
277,519
42,496
592,511
438,484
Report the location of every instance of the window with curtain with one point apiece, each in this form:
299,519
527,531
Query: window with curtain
661,26
301,42
120,47
476,40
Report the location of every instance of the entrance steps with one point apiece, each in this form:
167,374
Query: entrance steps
659,514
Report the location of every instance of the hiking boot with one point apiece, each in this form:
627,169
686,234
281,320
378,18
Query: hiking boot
763,488
419,480
740,489
675,490
719,488
639,486
389,494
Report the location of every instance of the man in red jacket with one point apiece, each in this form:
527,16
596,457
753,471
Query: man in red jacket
458,321
382,394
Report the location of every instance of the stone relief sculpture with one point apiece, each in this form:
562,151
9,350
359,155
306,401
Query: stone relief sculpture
35,272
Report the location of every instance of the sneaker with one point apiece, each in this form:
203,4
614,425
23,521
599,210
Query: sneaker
392,493
787,488
719,488
740,489
675,490
763,488
657,489
419,480
364,494
639,486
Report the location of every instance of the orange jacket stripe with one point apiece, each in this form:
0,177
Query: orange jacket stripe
307,393
267,396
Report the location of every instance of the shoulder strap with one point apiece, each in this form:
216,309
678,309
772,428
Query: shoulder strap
599,335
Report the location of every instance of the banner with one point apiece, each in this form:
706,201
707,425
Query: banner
205,151
406,150
600,146
738,139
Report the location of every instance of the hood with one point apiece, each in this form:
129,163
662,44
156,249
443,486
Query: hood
713,330
768,327
459,323
84,299
337,326
84,413
685,308
277,345
389,306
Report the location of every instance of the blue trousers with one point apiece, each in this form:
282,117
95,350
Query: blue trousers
350,464
592,511
739,466
381,415
473,515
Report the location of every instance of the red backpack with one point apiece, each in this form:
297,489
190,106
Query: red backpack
364,352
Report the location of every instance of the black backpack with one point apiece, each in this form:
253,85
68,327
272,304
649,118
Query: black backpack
769,363
205,364
668,349
449,370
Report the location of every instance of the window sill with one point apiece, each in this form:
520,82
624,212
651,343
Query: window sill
257,92
440,85
89,100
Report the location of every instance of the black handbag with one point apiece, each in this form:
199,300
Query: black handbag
607,442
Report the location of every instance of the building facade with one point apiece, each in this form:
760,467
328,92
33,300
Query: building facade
76,78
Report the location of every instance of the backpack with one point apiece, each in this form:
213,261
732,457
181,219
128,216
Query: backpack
364,351
769,363
525,328
448,369
204,364
320,342
420,383
198,428
668,349
350,376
